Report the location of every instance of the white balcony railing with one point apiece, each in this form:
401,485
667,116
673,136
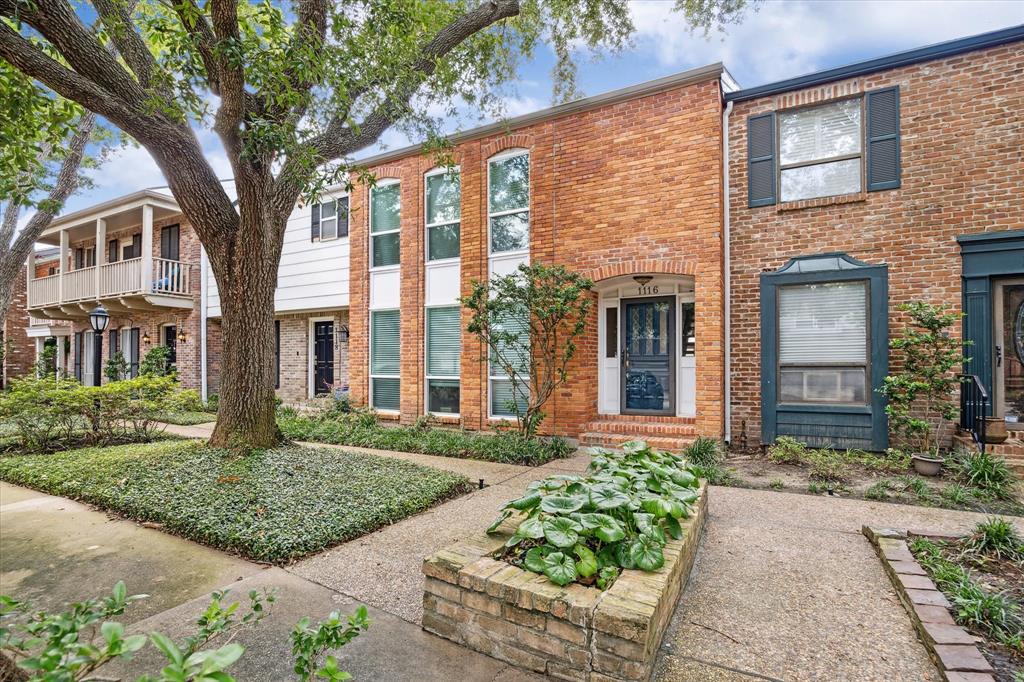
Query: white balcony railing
44,290
171,276
124,277
79,284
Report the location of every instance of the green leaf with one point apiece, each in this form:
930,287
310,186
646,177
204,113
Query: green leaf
561,504
169,648
561,531
500,520
531,528
646,554
623,556
559,568
607,497
528,501
111,631
534,559
673,527
609,529
684,478
658,506
587,564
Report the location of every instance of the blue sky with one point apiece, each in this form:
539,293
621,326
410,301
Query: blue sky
784,38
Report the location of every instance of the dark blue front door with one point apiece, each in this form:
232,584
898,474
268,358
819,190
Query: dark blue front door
648,356
323,370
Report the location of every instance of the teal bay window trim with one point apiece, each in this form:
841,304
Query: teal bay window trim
879,153
443,214
508,210
443,360
385,224
385,360
839,425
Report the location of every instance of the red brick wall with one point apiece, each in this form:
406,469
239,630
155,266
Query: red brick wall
630,187
19,351
962,136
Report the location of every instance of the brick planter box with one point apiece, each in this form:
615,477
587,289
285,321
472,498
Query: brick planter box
572,632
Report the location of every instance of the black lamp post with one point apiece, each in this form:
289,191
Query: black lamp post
99,318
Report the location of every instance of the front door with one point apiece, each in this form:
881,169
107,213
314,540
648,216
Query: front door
323,357
1008,354
648,356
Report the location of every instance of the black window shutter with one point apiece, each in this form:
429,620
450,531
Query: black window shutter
78,355
136,245
314,225
761,160
113,343
883,139
277,353
133,353
79,258
112,251
169,248
343,217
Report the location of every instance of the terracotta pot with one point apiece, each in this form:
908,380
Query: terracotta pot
995,430
926,466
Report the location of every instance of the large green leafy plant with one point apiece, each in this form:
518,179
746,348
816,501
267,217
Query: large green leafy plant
618,515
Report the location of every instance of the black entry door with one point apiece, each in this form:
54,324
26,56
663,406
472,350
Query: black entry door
323,353
648,356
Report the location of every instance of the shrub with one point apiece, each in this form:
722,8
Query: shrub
787,450
156,362
879,490
984,471
588,528
955,495
997,538
43,410
825,465
716,474
116,367
704,452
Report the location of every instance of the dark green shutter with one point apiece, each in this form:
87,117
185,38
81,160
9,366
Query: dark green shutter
343,217
133,352
761,160
112,251
314,225
883,139
136,246
79,348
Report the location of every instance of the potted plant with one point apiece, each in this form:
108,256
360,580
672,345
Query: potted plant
995,430
921,397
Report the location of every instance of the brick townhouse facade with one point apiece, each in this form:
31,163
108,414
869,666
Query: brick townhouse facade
749,248
901,174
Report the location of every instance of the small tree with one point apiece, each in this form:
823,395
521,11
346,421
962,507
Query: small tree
529,322
156,362
116,367
921,396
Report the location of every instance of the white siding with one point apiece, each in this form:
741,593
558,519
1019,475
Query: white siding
311,275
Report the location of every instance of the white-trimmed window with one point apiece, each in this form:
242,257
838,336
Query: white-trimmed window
823,343
508,201
821,150
385,358
385,224
329,219
443,213
443,364
502,392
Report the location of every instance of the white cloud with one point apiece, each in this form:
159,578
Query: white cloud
786,38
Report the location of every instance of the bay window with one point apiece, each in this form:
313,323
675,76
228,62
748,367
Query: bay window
385,367
385,224
508,202
823,343
443,211
820,150
443,351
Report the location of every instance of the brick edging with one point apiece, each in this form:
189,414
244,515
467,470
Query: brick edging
570,633
952,648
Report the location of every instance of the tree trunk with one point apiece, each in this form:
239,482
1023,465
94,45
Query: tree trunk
247,278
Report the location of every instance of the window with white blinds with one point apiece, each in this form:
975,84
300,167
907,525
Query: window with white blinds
514,347
443,351
820,150
385,224
823,343
385,367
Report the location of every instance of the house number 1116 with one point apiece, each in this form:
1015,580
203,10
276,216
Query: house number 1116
647,289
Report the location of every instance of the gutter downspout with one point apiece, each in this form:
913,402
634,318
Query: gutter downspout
728,271
203,302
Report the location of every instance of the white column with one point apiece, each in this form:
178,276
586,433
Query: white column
30,274
147,248
39,350
65,245
101,252
61,360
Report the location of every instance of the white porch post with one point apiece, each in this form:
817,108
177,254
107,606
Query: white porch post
30,274
65,245
101,253
61,361
39,351
147,248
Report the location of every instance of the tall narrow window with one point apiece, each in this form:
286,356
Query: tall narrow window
385,344
508,202
444,194
385,224
505,396
444,348
823,343
171,341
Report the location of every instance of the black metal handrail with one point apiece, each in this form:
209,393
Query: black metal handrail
974,407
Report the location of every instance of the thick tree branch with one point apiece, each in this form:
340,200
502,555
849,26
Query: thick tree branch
117,19
224,15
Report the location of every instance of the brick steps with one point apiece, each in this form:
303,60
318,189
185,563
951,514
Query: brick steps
1012,450
614,440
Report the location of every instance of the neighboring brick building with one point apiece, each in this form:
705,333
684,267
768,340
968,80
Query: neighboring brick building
926,152
624,188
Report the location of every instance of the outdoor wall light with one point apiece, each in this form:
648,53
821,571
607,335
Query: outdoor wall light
181,336
642,280
145,338
343,333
